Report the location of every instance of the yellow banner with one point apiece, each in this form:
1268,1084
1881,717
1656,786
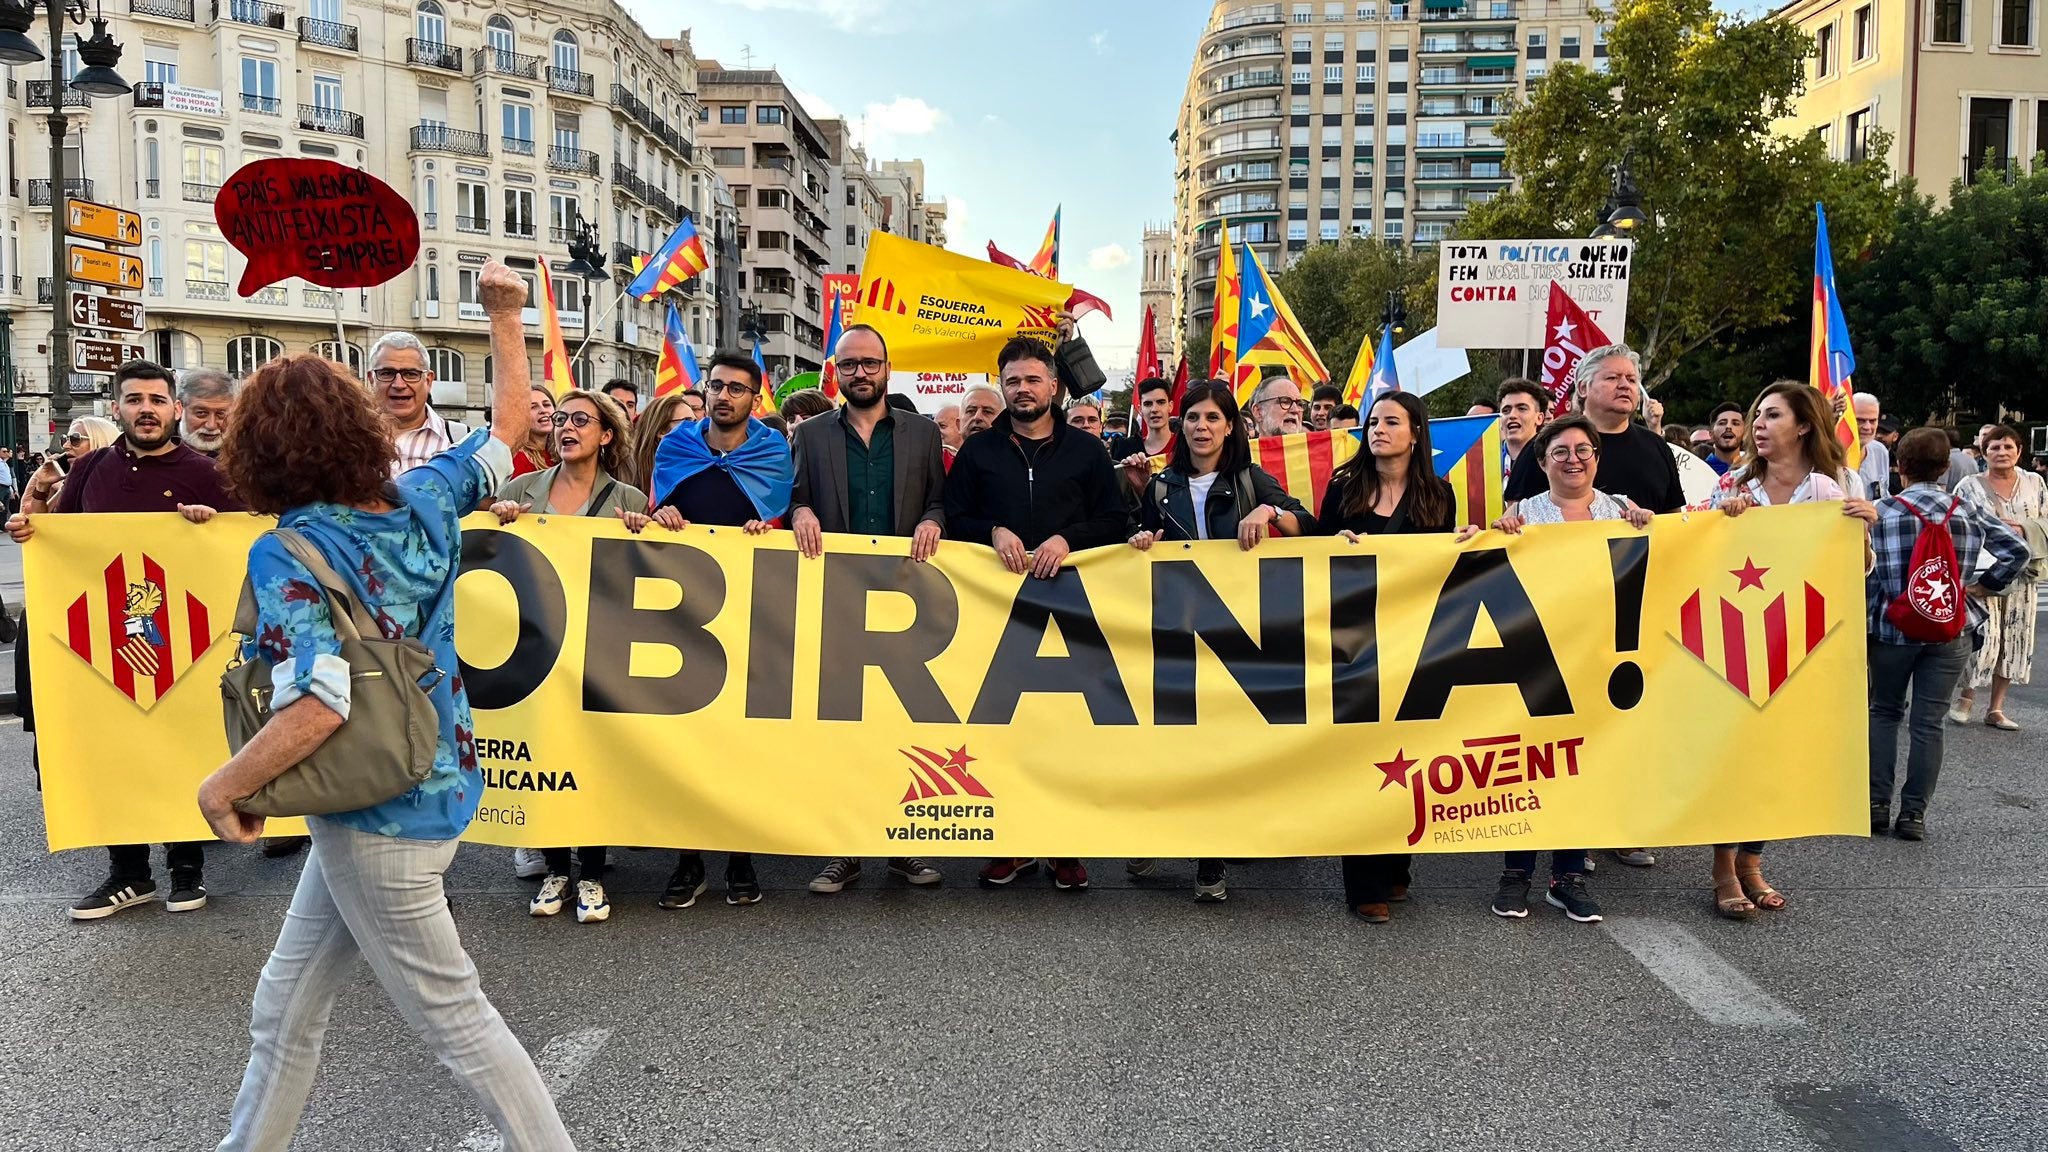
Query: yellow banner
711,690
943,312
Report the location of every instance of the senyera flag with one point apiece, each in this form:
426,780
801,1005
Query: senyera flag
556,369
1080,303
1223,311
1467,452
677,369
1568,334
680,257
1046,262
1833,363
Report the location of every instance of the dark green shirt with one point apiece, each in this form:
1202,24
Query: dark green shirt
871,478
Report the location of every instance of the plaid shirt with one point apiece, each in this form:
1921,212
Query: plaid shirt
1973,528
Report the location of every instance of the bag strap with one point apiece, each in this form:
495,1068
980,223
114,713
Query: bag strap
598,501
349,618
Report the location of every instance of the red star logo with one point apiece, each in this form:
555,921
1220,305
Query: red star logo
1749,575
1395,770
960,758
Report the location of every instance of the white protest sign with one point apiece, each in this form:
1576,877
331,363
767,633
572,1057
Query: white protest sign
1493,293
1424,367
931,391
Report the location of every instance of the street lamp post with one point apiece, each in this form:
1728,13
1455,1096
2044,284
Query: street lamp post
586,259
1623,212
98,55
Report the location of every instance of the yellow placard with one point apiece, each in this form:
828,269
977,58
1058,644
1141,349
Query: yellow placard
943,312
712,690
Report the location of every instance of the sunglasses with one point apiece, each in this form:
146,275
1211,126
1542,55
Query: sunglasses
75,438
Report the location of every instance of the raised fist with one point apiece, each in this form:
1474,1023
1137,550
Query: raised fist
500,290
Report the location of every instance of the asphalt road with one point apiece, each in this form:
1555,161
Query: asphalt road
1897,1005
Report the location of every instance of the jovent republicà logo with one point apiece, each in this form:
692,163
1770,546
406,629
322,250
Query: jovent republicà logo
1484,789
138,630
932,808
1753,643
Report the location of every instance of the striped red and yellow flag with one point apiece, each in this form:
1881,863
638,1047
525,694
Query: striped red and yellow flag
1467,448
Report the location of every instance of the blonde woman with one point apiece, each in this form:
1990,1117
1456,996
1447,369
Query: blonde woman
2015,496
661,416
87,434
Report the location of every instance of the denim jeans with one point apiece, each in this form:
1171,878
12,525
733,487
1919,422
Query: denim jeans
380,898
1931,670
1372,879
1563,862
131,861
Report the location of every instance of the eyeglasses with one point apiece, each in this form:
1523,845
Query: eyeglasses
579,419
1284,402
729,387
859,367
74,438
1564,452
387,375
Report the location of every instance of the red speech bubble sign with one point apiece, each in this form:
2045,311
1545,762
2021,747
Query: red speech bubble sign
336,226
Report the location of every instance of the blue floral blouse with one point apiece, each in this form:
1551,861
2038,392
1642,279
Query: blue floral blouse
401,565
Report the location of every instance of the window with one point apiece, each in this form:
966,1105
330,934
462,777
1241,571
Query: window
1948,22
160,71
434,283
472,207
1333,43
1391,230
518,125
1303,14
326,92
1297,229
1862,33
259,85
1537,38
498,35
446,364
1368,73
428,24
465,294
202,164
248,353
174,349
564,212
206,261
1301,75
1536,69
519,212
1333,13
2016,24
1303,42
568,57
732,114
1990,138
1856,140
348,355
1824,51
568,294
769,114
568,131
1825,133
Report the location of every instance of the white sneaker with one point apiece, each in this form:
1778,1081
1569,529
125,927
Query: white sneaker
529,863
591,905
548,901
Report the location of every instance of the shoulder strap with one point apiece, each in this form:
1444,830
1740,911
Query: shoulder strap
1244,494
597,501
348,615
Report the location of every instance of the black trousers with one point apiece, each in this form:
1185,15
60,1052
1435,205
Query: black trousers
592,859
1371,879
131,861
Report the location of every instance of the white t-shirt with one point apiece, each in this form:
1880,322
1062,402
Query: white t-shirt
1198,492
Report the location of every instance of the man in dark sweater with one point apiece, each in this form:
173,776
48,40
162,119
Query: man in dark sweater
144,471
1634,461
1036,490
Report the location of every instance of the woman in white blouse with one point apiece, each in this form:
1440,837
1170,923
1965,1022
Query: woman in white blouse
1568,451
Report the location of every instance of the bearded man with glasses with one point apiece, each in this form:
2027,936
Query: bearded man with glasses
404,383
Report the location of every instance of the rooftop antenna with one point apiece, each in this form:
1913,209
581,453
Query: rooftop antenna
747,56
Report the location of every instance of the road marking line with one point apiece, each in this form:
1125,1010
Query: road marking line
560,1062
1696,974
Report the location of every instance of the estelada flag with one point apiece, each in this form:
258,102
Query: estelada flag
1833,363
557,372
1223,314
1568,334
680,257
1467,454
1266,323
939,311
677,369
1360,380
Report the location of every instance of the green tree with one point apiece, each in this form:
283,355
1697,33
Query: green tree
1691,96
1951,315
1339,292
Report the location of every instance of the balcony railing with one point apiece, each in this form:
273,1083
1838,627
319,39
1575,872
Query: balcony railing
579,160
254,12
39,191
624,100
521,229
433,54
626,181
430,220
267,105
433,137
200,193
476,225
274,296
562,236
156,285
622,255
514,146
325,299
659,201
327,34
206,290
504,63
333,121
571,81
44,290
148,189
39,95
168,9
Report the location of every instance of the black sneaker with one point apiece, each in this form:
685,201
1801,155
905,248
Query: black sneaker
187,893
113,896
1880,821
741,886
1209,886
1511,899
1569,894
685,884
1911,826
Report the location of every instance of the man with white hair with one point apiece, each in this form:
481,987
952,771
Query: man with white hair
206,395
403,381
1634,462
1876,469
979,409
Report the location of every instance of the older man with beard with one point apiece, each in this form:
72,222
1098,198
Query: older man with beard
1277,407
206,394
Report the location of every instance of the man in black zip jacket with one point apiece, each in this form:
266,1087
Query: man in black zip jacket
1035,490
1031,487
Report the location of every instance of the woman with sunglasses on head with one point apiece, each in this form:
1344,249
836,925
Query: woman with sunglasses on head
1212,491
590,438
1793,458
1390,488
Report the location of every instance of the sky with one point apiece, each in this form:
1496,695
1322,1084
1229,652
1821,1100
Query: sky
1015,106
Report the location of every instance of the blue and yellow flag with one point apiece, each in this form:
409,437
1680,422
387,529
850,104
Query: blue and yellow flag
1467,450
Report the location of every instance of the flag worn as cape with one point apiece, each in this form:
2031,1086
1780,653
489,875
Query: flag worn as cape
762,464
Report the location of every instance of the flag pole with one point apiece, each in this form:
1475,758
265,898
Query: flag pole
592,329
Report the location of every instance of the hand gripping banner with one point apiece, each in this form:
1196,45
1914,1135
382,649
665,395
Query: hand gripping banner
1577,686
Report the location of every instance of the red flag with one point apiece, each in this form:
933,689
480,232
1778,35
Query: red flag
1180,385
1568,334
1079,303
1148,366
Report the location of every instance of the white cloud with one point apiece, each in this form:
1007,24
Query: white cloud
845,15
1100,42
1108,256
957,237
819,107
903,116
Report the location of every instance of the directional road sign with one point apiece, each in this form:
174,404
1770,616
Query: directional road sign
109,313
97,266
103,222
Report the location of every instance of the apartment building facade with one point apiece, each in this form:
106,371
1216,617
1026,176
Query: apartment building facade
507,129
1955,83
1310,122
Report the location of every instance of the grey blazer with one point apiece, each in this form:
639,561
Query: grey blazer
532,489
919,478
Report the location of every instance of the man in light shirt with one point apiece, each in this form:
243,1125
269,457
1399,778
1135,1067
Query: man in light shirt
403,381
1876,469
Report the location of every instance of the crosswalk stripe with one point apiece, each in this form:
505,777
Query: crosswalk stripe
560,1062
1696,974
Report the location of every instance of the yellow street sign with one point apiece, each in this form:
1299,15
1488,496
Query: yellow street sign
94,266
102,222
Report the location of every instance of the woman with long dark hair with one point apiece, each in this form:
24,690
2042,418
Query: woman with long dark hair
308,444
1389,488
1213,491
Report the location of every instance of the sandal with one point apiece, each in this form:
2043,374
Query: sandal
1760,894
1736,907
1998,719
